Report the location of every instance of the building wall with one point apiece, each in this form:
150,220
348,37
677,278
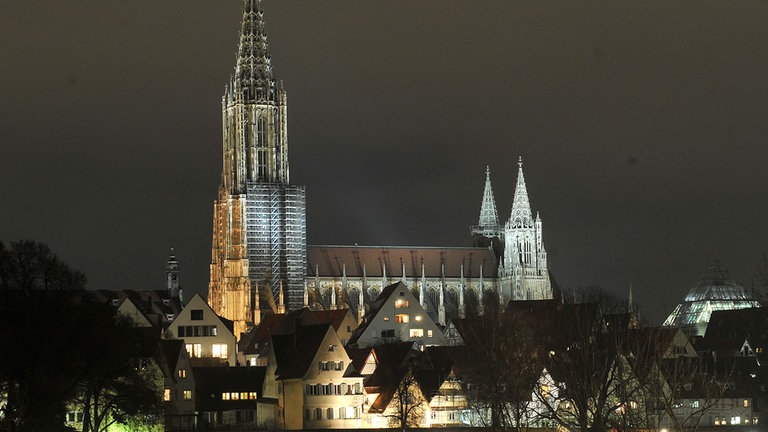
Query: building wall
200,344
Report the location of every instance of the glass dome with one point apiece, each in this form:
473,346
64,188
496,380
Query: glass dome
715,291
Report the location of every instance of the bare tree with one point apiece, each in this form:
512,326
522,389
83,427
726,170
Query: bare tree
408,405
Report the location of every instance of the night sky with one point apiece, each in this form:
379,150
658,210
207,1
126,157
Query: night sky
642,127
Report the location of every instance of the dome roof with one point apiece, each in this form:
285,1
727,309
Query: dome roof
715,291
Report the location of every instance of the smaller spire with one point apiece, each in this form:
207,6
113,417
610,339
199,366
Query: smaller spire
489,217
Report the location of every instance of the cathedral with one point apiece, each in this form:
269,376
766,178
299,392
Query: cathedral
260,261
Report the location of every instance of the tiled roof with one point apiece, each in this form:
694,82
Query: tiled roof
294,352
331,260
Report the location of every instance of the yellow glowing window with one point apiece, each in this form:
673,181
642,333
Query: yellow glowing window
402,318
219,350
746,403
225,396
429,333
401,303
187,394
166,394
252,395
182,373
418,318
417,333
235,396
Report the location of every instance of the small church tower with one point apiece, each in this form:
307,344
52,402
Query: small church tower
172,276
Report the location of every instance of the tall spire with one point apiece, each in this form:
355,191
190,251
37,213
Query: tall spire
521,207
488,214
254,64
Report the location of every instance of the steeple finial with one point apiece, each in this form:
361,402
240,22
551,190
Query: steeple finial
488,215
521,207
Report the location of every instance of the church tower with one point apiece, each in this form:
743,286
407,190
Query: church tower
488,232
524,274
172,272
259,218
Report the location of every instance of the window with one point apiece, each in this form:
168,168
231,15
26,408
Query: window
387,333
386,318
187,394
418,318
219,350
181,331
252,395
695,404
746,403
318,413
196,314
329,413
225,396
167,394
451,415
332,348
401,303
234,396
195,350
182,373
402,318
433,415
429,333
417,333
340,366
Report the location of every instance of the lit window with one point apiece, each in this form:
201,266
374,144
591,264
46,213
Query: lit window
429,333
182,373
695,404
418,318
225,396
187,394
235,395
252,395
401,303
402,318
735,420
417,333
219,350
195,350
166,394
386,318
746,403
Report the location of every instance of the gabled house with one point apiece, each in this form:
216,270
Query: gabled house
397,315
208,338
310,382
178,385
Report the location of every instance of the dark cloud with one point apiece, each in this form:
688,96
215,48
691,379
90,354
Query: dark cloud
111,129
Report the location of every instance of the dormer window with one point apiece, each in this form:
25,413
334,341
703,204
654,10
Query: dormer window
332,348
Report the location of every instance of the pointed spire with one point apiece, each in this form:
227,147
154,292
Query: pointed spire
521,207
281,300
488,214
254,64
306,294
